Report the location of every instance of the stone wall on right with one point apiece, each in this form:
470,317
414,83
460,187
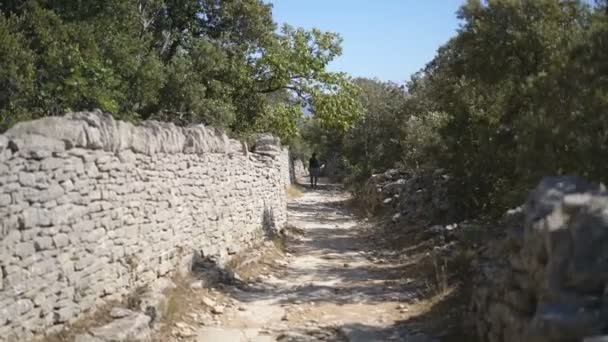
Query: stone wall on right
547,279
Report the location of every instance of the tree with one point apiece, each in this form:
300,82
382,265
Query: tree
16,75
218,62
506,82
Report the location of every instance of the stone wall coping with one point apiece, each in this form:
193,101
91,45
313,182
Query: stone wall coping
100,131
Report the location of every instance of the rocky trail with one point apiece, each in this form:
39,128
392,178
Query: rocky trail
327,284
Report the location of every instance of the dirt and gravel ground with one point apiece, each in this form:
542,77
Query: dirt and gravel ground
328,280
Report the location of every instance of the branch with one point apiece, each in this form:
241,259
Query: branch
280,87
277,88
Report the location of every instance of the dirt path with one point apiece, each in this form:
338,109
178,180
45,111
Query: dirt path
326,287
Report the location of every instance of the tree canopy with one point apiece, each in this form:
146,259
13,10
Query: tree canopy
218,62
518,93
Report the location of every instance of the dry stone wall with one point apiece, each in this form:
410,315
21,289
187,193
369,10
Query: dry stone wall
296,171
547,280
413,200
91,208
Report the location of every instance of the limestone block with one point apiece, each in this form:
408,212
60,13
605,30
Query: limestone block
66,312
24,249
121,313
67,185
43,243
4,141
91,170
41,300
50,164
27,179
5,200
5,310
83,261
21,307
132,328
87,338
70,132
53,192
61,240
97,127
127,157
94,236
66,213
33,145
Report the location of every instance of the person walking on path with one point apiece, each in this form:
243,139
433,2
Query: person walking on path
314,169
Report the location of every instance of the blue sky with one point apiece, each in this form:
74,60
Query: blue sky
386,39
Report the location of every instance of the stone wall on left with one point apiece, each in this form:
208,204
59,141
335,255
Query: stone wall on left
92,208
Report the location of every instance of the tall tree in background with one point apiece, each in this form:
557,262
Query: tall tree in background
375,142
218,62
518,105
518,93
398,128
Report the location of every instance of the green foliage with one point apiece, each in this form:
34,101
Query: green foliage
217,62
16,75
508,83
281,119
374,144
296,61
396,129
522,94
518,93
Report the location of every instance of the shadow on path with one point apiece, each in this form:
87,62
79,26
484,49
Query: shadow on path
330,287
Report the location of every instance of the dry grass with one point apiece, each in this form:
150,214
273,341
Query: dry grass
444,312
180,301
295,191
439,279
133,300
293,230
100,317
250,264
185,299
425,306
443,299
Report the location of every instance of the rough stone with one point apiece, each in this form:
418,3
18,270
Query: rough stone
42,243
27,179
33,145
5,200
25,249
120,313
154,304
53,192
33,217
65,313
22,306
133,328
61,240
50,164
550,285
412,199
87,338
92,208
211,334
